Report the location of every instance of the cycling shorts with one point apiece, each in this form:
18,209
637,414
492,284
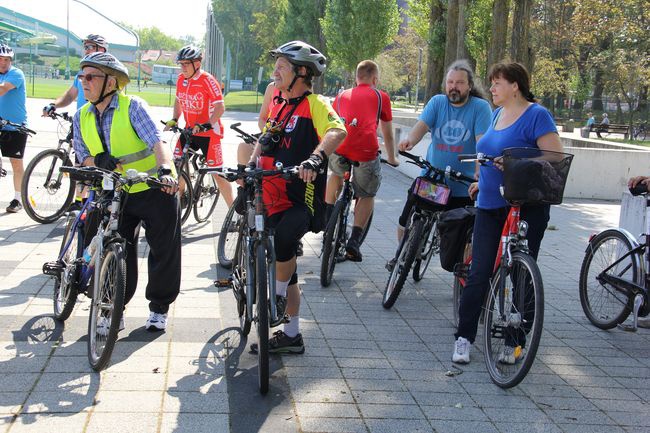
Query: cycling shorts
290,226
12,144
366,177
210,147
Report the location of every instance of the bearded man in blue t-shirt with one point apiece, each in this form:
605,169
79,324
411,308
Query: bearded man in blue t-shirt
456,120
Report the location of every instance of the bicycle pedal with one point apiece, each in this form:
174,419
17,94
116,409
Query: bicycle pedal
223,282
461,270
281,321
53,269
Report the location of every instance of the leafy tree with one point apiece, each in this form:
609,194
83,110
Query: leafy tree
358,29
152,38
268,29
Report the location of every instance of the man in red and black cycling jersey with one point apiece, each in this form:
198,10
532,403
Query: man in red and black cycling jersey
199,99
302,130
362,108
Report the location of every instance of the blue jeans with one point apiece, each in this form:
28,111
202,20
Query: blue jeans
485,241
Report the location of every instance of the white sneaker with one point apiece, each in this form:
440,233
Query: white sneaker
156,322
461,351
104,324
510,355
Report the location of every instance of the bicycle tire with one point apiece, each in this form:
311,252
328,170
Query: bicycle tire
47,193
108,301
206,195
405,257
65,286
186,197
426,252
261,305
459,282
239,285
228,237
604,306
331,243
523,273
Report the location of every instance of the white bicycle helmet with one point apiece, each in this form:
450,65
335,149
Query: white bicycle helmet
97,40
189,52
108,64
6,51
302,54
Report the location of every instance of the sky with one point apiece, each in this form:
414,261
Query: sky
172,17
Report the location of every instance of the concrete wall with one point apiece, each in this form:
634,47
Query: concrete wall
599,173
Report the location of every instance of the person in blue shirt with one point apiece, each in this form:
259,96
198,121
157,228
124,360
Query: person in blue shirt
590,120
13,98
91,44
518,122
456,119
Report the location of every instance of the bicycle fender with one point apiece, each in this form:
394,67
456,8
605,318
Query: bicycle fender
622,231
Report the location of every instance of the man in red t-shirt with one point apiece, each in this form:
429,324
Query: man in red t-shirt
199,99
363,108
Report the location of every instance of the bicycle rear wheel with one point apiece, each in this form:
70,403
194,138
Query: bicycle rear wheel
206,194
228,237
185,196
405,256
262,307
333,238
513,328
461,272
428,247
107,306
47,193
605,305
65,286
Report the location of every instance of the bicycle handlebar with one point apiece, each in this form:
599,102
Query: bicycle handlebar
65,116
447,172
20,128
248,138
95,174
244,172
476,157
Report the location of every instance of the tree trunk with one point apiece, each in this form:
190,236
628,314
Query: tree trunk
520,38
451,41
319,82
461,49
497,50
435,56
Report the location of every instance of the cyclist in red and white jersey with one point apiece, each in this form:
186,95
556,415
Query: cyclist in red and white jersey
199,99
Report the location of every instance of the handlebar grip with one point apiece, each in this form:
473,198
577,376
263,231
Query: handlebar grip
639,189
235,125
467,156
409,155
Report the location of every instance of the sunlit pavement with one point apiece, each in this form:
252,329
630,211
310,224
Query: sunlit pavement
365,369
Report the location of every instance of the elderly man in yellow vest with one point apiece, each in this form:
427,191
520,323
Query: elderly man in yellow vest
114,131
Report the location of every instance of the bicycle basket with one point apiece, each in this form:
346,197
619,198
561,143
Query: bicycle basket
535,176
430,192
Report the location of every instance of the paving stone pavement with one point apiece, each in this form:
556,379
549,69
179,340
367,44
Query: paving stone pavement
365,369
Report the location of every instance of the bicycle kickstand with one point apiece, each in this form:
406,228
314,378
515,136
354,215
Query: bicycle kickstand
638,301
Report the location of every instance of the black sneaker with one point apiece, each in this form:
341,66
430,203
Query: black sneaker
14,206
282,343
352,251
281,307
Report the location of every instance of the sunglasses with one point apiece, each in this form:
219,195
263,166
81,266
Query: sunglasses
89,77
89,47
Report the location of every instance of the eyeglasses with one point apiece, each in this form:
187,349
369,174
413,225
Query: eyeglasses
89,47
89,77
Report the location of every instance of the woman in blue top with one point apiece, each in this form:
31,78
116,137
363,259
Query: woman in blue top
518,122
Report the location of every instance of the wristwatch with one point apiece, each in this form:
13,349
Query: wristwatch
164,170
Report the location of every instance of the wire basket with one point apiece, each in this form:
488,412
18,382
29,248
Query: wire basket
535,176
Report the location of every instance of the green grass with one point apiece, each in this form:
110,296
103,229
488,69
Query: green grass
155,95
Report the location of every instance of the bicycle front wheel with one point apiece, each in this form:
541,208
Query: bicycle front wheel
262,307
107,307
605,305
428,247
333,238
404,260
228,237
65,286
47,193
206,194
514,316
185,196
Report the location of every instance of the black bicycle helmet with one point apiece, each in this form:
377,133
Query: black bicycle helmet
6,51
98,40
108,64
302,54
189,52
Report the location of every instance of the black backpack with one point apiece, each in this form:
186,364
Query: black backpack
453,226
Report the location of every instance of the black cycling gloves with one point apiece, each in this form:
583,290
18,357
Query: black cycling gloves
106,161
315,162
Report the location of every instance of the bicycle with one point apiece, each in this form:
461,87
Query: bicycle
103,261
229,234
420,240
614,279
46,192
640,131
336,231
253,270
513,313
202,192
20,128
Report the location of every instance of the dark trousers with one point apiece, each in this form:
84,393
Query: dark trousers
160,213
485,241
